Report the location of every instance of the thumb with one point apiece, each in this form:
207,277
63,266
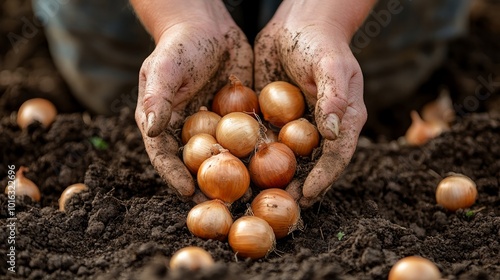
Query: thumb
334,82
157,96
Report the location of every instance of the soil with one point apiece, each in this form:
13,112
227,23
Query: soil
129,224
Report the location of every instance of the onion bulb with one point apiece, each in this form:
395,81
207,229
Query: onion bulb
251,237
455,192
272,166
278,209
23,186
210,220
197,150
281,102
420,131
223,176
238,132
69,192
414,268
36,109
235,97
191,258
300,135
202,121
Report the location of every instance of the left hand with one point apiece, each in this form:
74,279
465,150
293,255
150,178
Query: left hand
315,55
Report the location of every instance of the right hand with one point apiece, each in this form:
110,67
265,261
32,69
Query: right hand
193,58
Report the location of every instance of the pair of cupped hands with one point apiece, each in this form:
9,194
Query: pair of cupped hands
194,58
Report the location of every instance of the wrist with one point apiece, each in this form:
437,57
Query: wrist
340,18
159,16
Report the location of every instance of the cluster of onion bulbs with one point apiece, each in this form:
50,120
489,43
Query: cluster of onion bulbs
247,139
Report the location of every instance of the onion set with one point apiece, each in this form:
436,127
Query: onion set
210,220
281,102
36,110
24,186
300,135
202,121
69,192
223,176
272,166
238,132
455,192
251,237
191,258
414,268
197,150
235,97
278,209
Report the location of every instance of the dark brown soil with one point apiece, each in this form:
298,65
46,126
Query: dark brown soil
129,224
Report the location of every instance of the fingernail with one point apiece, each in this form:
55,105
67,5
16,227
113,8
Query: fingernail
333,124
150,121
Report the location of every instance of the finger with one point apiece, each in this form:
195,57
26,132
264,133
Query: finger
162,151
199,197
294,188
267,66
335,158
161,81
339,84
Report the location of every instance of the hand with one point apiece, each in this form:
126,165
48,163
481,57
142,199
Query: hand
193,58
313,53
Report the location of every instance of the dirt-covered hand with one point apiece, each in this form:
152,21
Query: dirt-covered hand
315,55
191,61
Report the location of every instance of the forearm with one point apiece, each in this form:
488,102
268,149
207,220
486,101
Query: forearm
158,16
346,15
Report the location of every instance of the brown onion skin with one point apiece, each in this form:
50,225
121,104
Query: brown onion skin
251,237
69,192
223,176
36,109
235,97
202,121
210,220
414,267
24,186
300,136
197,150
456,192
239,133
281,102
278,208
272,166
191,258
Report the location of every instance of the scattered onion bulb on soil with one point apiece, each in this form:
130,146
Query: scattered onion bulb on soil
414,268
191,258
238,132
300,135
202,121
420,131
197,150
455,192
272,166
210,220
36,109
281,102
251,237
278,209
24,186
223,176
235,97
69,192
440,110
